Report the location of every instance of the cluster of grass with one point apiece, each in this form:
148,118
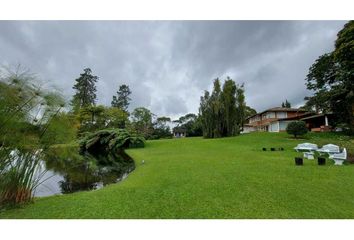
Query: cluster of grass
215,178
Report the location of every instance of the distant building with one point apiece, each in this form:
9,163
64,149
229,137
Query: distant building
273,119
277,119
179,132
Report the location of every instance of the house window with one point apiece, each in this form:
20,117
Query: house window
281,115
270,114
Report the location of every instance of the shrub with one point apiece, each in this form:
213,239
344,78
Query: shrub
110,140
297,128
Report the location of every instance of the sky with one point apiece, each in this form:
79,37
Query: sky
169,64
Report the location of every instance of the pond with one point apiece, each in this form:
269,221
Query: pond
66,170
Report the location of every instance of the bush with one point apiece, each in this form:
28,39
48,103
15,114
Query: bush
110,141
297,128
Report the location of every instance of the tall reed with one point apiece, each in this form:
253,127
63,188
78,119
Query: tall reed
21,134
20,177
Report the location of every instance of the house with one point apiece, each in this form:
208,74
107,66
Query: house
319,122
179,132
274,119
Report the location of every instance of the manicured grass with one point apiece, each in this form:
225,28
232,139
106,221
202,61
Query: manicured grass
215,178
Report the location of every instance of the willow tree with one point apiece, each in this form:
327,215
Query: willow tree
217,108
229,106
205,113
222,113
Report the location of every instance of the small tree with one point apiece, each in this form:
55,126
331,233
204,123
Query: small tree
297,128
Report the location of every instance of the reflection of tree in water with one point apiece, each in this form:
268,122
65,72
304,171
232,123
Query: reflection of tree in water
84,171
69,186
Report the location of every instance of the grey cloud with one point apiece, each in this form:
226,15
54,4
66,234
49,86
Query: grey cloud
168,64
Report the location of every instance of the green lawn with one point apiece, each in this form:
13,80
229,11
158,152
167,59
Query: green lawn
215,178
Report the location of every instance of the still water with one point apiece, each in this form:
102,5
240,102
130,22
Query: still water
67,171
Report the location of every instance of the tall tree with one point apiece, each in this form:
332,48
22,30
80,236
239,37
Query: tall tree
206,115
241,108
85,90
217,109
331,78
223,112
229,101
122,99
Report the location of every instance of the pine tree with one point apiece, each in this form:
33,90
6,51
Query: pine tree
122,100
85,90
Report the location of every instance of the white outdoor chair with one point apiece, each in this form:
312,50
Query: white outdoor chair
330,149
339,158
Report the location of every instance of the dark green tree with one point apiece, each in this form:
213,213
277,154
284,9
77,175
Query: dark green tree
122,99
297,128
85,90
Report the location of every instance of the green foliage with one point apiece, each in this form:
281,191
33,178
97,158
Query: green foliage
26,114
85,90
122,100
110,141
223,112
332,79
297,128
142,122
115,117
95,118
61,130
191,123
161,128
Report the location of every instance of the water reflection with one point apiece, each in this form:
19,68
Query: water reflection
69,171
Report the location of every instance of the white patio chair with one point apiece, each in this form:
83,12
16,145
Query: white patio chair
339,158
330,149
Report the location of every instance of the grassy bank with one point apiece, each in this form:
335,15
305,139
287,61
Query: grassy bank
215,178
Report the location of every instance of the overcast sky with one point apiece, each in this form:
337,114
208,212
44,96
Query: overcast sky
168,64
